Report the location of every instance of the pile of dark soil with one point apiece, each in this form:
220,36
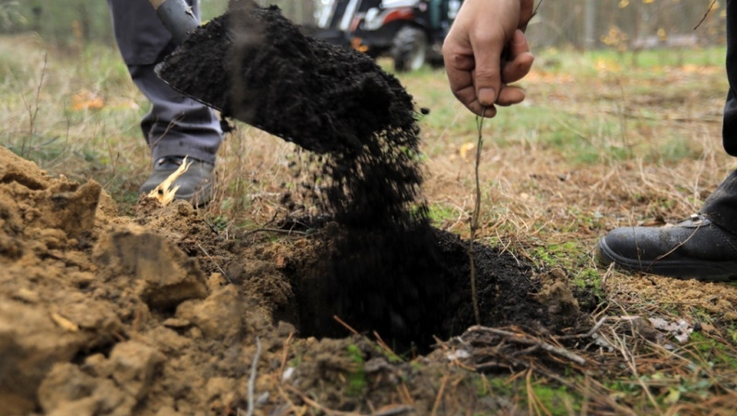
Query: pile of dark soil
383,268
414,294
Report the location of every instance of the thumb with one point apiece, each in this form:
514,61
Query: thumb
487,73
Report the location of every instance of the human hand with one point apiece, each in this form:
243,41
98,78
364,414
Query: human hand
485,50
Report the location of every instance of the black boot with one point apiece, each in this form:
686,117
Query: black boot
703,247
696,248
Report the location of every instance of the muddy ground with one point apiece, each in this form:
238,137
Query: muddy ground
160,314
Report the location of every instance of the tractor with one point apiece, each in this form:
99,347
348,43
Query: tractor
411,32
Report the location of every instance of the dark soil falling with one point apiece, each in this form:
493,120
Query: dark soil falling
383,268
257,67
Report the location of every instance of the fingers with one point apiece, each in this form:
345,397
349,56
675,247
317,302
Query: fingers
517,66
488,46
510,96
467,96
476,64
474,76
462,86
461,76
482,110
513,70
520,59
458,68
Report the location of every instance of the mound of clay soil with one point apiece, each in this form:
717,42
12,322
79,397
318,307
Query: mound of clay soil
159,314
99,315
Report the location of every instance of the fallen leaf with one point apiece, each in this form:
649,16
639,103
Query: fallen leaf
165,193
680,330
86,100
467,147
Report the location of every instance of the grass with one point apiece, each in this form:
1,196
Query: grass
356,379
598,143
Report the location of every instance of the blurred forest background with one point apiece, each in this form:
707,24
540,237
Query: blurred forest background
579,24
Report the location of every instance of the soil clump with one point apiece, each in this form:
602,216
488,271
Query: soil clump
255,66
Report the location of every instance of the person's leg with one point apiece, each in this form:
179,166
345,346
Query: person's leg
721,206
176,126
704,246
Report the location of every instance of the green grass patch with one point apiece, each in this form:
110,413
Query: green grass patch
357,378
441,214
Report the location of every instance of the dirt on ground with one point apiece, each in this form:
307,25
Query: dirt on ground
160,314
367,310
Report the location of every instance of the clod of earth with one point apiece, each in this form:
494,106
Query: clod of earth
256,66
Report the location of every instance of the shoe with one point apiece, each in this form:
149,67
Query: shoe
695,248
195,185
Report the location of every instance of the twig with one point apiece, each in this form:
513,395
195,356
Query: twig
292,407
475,219
348,327
285,354
274,230
252,378
629,358
399,410
523,26
404,393
606,275
521,339
598,325
533,401
591,332
705,14
536,8
33,110
380,342
439,397
215,263
599,396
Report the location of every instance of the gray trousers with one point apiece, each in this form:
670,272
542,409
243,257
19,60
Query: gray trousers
176,125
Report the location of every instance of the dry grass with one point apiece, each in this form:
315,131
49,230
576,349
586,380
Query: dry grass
596,145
